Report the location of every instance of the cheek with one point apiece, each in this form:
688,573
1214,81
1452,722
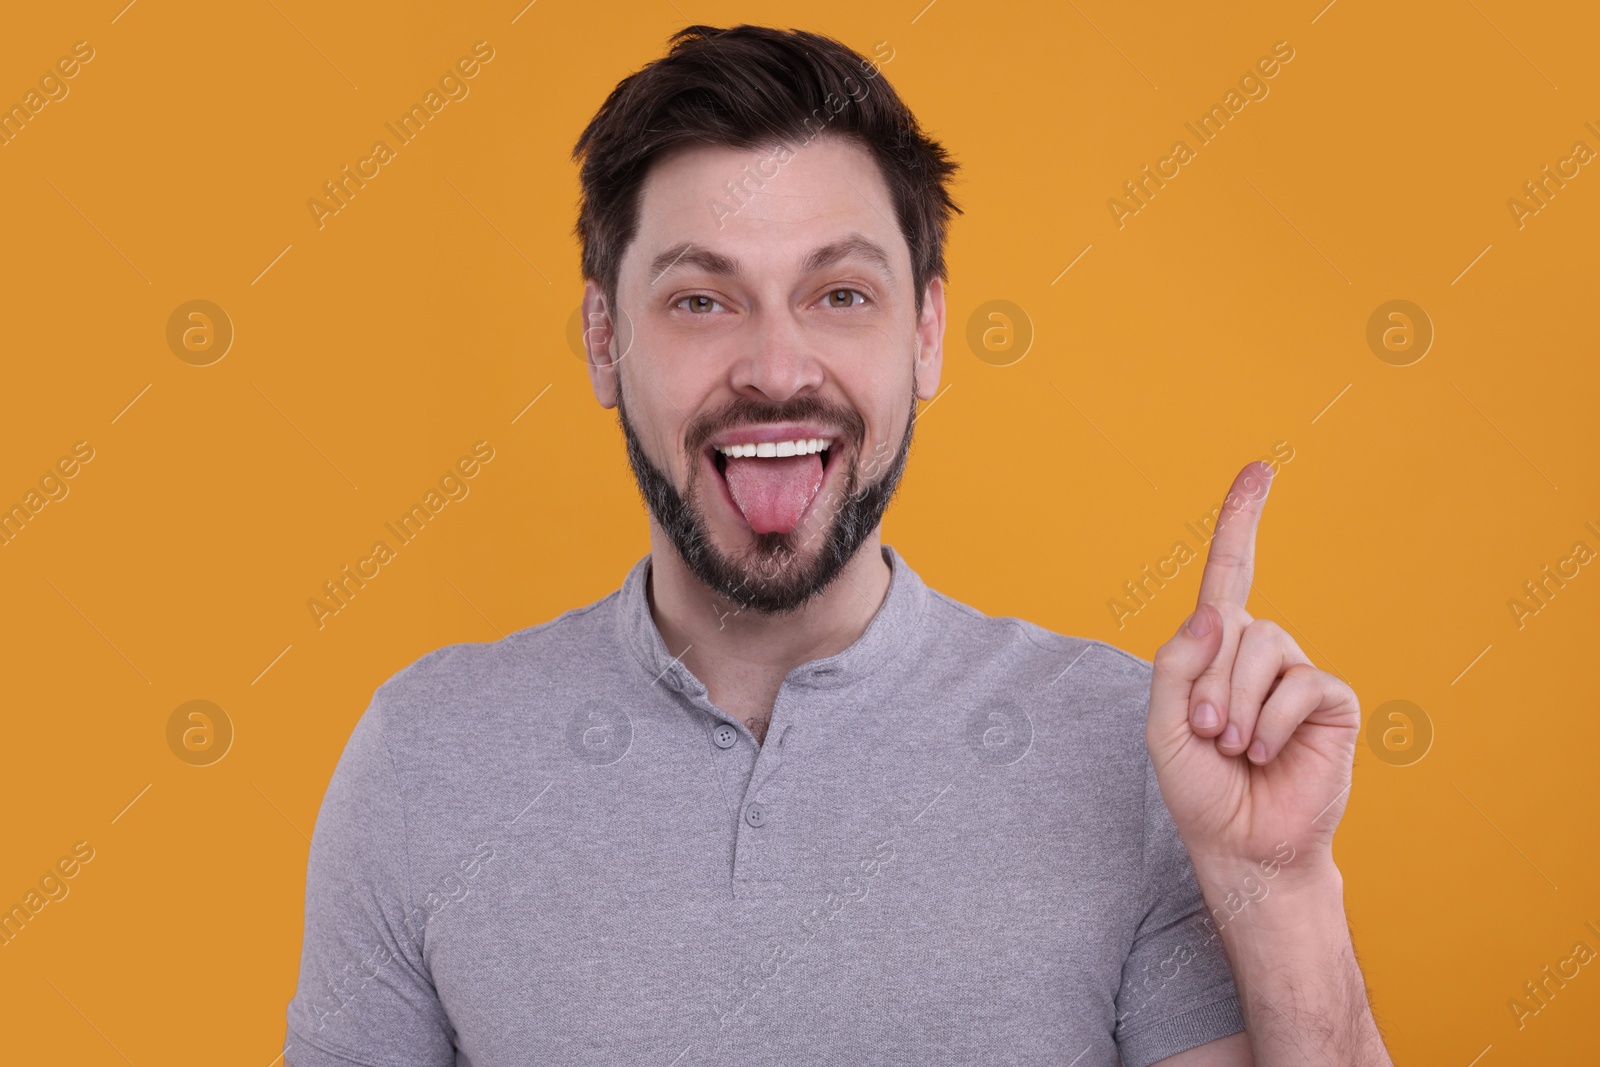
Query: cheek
665,396
664,431
891,410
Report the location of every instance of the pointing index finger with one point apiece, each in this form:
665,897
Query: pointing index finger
1231,560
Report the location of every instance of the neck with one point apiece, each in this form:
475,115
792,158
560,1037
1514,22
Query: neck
743,655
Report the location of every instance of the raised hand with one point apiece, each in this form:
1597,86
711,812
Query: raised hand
1252,744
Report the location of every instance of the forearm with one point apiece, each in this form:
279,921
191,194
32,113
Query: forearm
1301,988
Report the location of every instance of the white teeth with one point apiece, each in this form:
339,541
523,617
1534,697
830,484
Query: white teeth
801,446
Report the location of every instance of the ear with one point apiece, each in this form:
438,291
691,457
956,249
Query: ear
930,340
601,343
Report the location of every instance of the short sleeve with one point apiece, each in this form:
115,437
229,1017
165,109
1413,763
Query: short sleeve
364,996
1177,989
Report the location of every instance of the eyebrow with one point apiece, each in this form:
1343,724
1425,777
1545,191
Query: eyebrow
820,258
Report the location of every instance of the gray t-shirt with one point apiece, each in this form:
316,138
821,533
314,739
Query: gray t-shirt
951,849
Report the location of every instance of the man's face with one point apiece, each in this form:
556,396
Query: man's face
757,318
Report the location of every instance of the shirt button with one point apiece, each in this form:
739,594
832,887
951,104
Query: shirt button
725,736
755,815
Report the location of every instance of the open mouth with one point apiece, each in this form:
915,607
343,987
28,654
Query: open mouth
771,482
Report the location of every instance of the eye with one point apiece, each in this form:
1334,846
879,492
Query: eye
697,303
833,296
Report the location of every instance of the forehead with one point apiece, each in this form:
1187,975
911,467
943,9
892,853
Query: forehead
764,207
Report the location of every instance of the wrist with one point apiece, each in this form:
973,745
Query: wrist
1284,864
1285,891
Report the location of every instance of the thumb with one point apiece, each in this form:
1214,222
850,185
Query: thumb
1178,664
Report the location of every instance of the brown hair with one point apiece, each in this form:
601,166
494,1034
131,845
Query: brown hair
746,87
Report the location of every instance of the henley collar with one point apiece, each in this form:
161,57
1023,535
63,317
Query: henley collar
887,634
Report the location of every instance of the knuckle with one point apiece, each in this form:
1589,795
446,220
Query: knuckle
1305,679
1232,612
1268,628
1167,656
1338,685
1222,557
1262,633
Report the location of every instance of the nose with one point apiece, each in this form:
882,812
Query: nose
776,360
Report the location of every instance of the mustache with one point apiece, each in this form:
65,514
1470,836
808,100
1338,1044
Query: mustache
743,411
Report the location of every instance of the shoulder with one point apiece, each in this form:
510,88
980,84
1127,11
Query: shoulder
1019,646
472,681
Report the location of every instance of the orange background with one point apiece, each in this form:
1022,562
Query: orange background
1228,314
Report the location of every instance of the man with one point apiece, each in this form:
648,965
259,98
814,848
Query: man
775,800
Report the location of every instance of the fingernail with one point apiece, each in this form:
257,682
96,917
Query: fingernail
1258,751
1199,623
1205,716
1230,736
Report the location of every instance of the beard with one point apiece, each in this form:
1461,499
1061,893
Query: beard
774,576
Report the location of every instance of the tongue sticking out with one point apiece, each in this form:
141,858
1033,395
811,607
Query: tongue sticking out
773,492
